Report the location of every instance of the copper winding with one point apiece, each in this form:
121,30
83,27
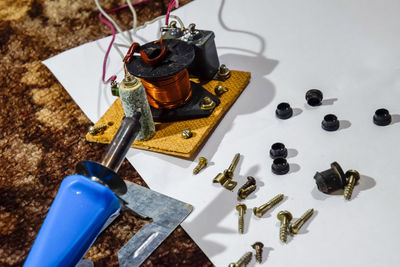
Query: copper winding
169,92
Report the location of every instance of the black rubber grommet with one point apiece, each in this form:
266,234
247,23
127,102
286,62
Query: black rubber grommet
382,117
280,166
331,179
314,97
330,123
284,111
278,150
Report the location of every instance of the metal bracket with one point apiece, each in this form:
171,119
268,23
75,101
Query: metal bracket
167,213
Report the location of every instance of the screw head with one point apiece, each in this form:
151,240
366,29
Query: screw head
257,244
353,173
187,133
284,213
241,206
203,160
257,212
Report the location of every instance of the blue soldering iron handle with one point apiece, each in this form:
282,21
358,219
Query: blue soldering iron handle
79,212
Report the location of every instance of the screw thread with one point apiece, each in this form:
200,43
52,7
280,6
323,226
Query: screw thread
295,227
234,163
241,223
243,193
93,130
348,190
259,254
283,233
245,259
249,182
267,206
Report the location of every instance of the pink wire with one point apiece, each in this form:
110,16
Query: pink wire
111,27
170,8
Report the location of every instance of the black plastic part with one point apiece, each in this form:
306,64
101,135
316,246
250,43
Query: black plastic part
190,110
278,150
330,123
280,166
331,179
179,55
314,97
382,117
284,111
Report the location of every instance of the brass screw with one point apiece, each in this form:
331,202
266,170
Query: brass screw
250,181
187,133
243,261
223,72
99,129
260,211
241,208
243,193
202,164
258,246
353,176
285,217
207,103
220,90
235,161
295,227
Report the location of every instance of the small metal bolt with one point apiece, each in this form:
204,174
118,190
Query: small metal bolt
260,211
202,164
207,103
250,181
353,177
295,227
187,133
229,172
244,193
243,261
241,208
285,217
97,129
258,246
223,72
220,90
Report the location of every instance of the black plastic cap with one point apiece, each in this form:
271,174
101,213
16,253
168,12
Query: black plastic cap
284,111
280,166
314,97
331,179
278,150
382,117
330,123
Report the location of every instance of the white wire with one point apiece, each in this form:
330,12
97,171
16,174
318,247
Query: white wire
134,22
129,39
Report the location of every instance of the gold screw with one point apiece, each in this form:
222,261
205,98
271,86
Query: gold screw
187,133
258,246
243,261
207,103
223,72
241,208
295,227
244,192
285,217
353,176
220,90
229,171
260,211
202,164
99,129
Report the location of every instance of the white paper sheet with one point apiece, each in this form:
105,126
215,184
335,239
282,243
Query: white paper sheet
349,50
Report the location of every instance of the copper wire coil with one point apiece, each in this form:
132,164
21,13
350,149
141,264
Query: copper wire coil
170,92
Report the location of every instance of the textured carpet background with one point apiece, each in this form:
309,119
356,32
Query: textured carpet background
42,134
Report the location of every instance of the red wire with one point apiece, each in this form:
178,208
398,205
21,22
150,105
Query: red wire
111,27
170,8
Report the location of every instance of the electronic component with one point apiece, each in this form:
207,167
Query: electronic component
206,63
331,179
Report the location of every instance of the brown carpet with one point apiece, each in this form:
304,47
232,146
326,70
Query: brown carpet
43,131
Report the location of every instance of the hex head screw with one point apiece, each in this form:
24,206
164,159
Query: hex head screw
353,177
241,208
285,217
